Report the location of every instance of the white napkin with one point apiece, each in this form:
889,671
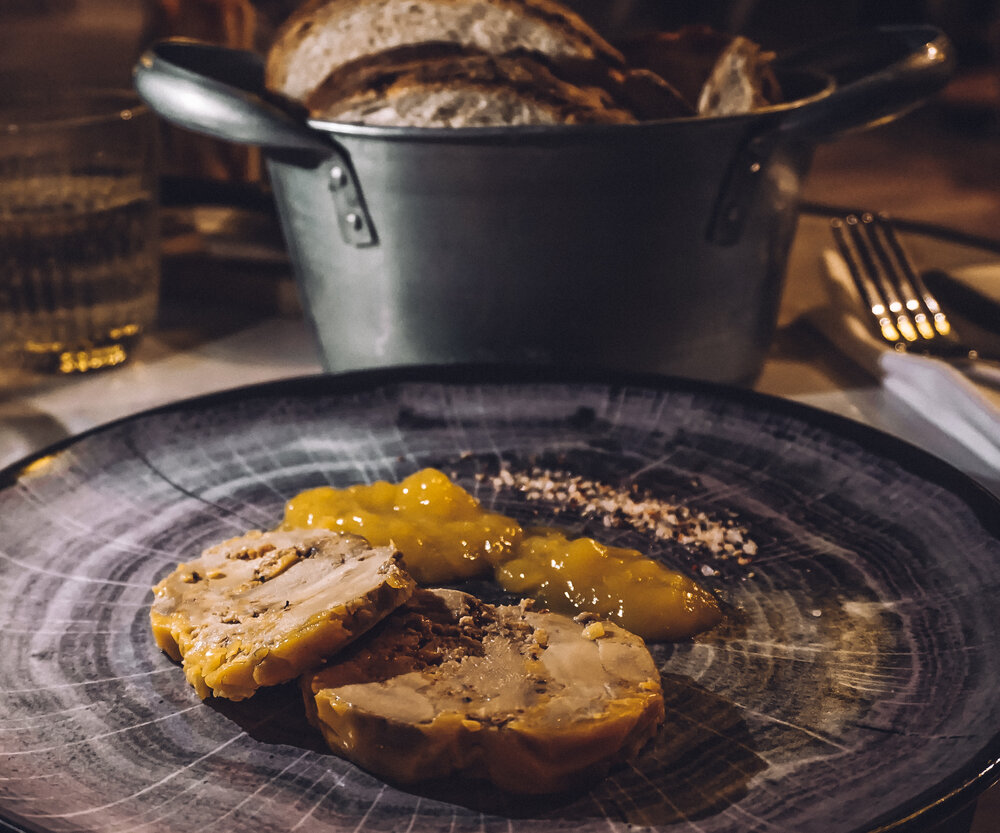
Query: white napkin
944,396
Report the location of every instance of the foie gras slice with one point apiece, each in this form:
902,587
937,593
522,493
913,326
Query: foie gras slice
263,608
533,701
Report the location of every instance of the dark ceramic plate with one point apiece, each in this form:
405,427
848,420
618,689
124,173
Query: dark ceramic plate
855,685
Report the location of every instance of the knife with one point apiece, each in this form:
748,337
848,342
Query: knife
976,307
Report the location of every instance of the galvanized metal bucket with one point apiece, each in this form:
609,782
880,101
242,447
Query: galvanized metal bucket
656,247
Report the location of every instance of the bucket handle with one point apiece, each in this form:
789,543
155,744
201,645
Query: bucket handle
220,92
879,74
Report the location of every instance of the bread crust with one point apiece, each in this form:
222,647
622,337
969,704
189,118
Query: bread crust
715,73
325,34
447,85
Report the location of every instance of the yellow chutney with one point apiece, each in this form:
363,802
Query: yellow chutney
640,594
443,532
446,535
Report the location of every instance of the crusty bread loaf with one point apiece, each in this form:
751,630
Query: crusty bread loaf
446,85
533,701
326,34
455,63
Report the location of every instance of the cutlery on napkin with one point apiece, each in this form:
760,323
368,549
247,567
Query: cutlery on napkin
945,396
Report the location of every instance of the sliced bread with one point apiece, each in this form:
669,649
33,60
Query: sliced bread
326,34
446,85
741,81
715,73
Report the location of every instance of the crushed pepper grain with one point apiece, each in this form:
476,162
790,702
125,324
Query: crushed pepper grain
714,538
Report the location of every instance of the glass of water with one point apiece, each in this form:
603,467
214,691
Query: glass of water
79,249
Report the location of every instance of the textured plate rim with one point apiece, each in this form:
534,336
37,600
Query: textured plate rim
930,807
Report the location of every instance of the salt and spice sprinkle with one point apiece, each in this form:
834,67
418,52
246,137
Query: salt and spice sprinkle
709,537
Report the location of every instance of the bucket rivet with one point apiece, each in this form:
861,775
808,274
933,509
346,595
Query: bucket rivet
355,221
338,177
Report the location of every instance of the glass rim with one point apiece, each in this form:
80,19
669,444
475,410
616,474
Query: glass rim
88,107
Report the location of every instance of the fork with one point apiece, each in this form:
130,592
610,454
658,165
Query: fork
907,316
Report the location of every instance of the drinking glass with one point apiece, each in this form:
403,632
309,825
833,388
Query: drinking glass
79,249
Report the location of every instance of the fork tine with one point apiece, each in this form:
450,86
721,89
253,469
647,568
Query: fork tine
903,301
918,288
896,296
899,271
870,291
863,230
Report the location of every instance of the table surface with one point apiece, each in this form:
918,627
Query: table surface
198,350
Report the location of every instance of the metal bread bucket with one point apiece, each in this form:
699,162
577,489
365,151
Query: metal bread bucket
658,246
